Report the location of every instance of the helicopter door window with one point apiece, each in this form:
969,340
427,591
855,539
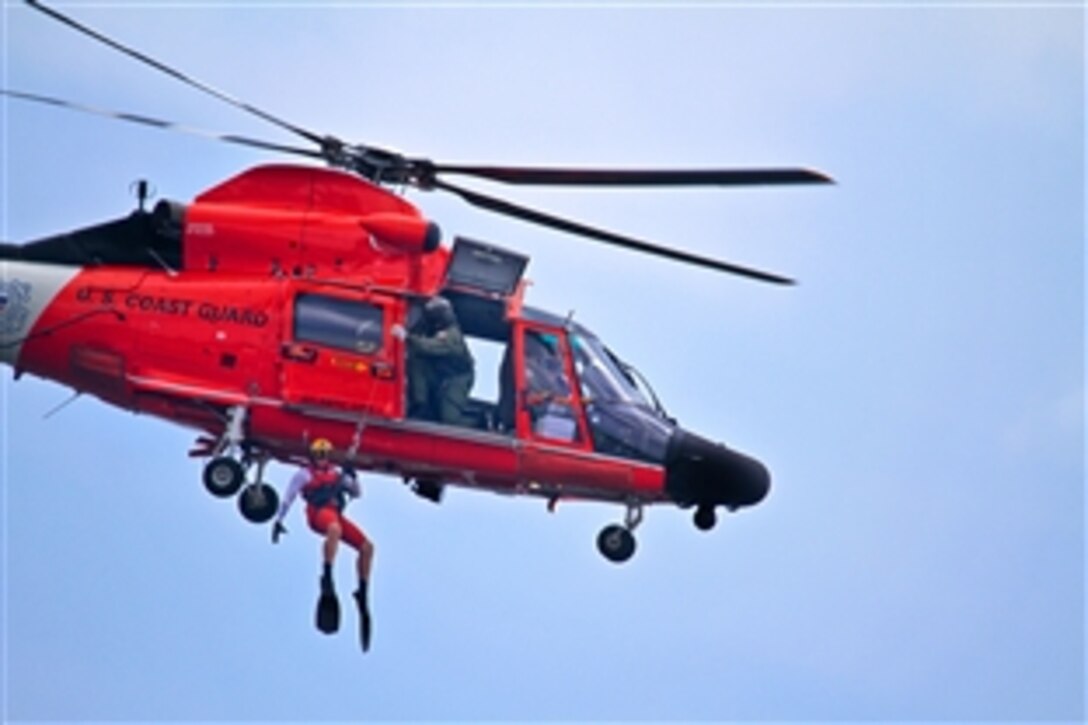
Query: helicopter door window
548,393
340,323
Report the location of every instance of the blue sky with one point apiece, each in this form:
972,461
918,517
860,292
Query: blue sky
919,397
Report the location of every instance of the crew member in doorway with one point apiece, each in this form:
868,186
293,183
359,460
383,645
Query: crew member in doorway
440,367
326,488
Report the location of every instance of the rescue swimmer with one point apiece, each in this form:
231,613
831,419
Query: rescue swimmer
326,488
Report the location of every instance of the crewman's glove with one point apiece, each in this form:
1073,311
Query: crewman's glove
348,470
399,332
277,529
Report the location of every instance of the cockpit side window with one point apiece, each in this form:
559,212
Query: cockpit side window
548,390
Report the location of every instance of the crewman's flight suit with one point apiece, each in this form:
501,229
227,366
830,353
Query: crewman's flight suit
440,375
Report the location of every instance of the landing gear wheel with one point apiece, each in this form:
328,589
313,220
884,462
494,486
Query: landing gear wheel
616,543
258,503
705,517
223,476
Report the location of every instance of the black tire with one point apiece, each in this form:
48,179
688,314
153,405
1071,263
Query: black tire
616,543
223,477
258,503
705,517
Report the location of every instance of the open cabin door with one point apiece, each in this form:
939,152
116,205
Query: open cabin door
338,352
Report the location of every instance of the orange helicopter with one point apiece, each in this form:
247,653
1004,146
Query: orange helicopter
270,312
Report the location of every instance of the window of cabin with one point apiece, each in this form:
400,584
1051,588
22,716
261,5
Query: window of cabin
335,322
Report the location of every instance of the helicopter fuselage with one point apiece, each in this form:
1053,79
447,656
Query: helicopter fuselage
270,306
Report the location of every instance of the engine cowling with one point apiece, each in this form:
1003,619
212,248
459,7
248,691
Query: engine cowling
408,233
298,220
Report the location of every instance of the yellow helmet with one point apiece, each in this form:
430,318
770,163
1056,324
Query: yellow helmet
320,447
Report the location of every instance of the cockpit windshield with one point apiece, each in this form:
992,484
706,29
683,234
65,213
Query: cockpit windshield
622,420
603,375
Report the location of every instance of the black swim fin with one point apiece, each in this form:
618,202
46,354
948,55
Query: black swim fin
364,619
328,608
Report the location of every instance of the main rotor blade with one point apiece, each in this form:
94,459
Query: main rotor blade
165,125
635,177
56,15
538,217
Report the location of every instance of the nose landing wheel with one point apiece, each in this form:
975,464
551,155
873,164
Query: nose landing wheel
617,543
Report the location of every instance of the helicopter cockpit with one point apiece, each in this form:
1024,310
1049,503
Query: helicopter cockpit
555,381
577,391
622,420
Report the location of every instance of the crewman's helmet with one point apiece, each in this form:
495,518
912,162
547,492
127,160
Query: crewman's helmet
439,313
320,449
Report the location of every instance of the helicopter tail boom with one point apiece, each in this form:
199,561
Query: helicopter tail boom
26,290
141,239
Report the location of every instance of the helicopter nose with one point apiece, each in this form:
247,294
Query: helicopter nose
700,472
